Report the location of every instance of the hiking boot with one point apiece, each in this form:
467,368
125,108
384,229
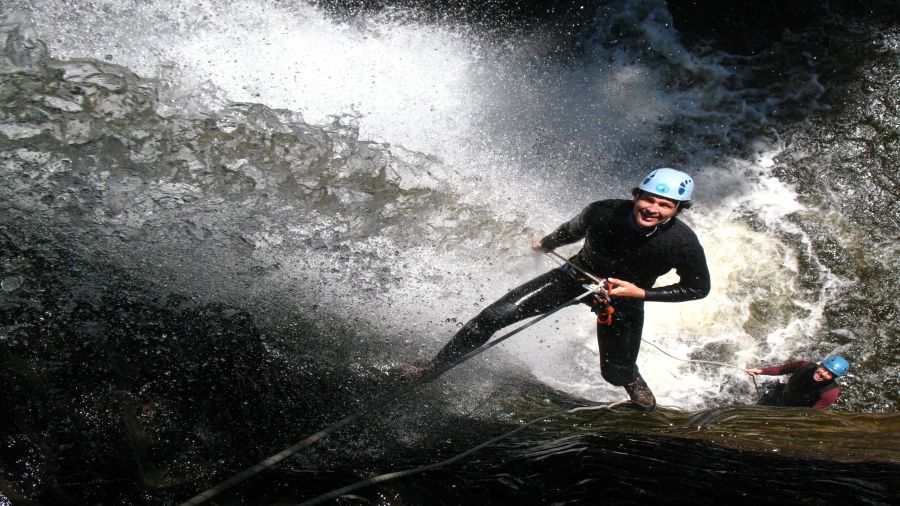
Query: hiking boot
640,394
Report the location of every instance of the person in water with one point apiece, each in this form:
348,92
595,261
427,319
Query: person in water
811,385
629,242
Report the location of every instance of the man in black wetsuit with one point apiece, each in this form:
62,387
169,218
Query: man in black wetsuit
629,242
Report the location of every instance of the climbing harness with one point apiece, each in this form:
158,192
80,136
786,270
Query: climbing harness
430,467
601,303
376,404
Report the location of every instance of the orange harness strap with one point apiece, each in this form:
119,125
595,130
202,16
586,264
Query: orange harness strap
604,313
605,318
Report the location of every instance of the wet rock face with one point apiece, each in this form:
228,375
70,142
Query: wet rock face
741,27
114,381
751,27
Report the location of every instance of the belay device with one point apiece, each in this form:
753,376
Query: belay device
601,303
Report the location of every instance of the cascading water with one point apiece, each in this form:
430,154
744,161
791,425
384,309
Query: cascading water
194,191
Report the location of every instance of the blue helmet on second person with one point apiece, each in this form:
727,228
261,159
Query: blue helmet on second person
669,183
837,364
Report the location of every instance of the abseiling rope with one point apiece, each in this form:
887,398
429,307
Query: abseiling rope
430,467
722,364
377,403
564,260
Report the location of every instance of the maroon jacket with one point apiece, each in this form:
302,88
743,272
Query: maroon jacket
801,389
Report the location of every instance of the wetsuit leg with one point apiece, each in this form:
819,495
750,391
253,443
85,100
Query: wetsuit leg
621,342
532,298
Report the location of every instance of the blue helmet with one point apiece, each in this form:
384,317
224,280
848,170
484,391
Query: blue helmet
837,364
669,183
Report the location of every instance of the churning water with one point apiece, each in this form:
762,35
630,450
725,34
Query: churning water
217,202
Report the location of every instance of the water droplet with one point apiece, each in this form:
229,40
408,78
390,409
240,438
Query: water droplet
11,284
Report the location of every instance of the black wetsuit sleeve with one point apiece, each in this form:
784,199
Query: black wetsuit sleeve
693,279
569,232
